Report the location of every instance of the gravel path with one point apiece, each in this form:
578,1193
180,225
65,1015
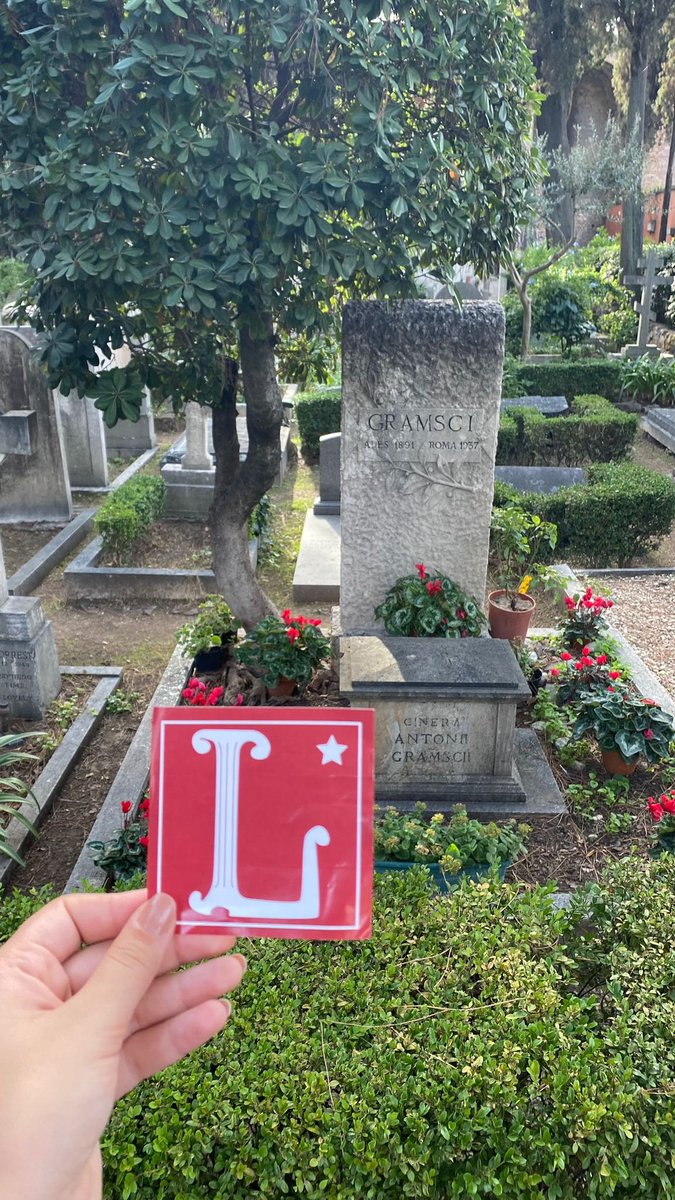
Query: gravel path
645,612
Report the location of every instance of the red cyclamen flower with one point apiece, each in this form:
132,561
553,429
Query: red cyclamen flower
566,656
214,695
292,634
615,674
143,841
240,698
460,614
145,805
649,734
126,806
286,616
655,809
422,571
434,587
571,604
601,660
554,672
668,804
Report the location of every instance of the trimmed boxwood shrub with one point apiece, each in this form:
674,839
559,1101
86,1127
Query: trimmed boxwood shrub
594,431
317,412
592,376
621,513
127,513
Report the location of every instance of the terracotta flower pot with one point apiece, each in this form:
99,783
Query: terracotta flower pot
614,762
285,687
506,622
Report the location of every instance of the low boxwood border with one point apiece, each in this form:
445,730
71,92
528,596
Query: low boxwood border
594,431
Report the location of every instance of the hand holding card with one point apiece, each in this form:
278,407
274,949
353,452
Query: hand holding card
262,820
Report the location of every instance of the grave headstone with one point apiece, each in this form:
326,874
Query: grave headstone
29,665
659,423
650,277
550,406
197,437
84,438
540,479
128,439
420,408
328,504
34,481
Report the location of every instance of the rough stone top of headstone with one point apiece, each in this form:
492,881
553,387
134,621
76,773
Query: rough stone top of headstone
550,406
540,479
463,668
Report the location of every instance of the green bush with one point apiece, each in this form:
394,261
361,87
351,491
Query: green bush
592,376
594,431
480,1045
16,907
560,310
648,380
127,513
317,412
621,325
13,275
513,310
621,513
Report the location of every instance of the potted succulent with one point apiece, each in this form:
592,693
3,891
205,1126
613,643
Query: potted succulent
428,604
452,849
286,650
627,727
518,539
206,639
584,620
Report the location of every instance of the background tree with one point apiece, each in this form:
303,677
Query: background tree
185,175
665,111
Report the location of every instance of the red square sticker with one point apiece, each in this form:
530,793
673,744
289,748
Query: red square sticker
261,821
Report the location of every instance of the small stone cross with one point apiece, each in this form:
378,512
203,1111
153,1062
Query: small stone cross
647,281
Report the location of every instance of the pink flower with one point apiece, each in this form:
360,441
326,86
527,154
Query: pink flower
464,633
578,666
460,614
586,650
199,684
587,661
126,806
649,734
566,656
601,660
571,604
434,587
214,695
554,672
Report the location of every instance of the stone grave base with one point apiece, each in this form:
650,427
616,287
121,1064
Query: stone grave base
659,423
445,714
317,570
29,665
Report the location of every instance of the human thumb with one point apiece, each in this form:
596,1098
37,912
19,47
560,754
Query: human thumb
117,986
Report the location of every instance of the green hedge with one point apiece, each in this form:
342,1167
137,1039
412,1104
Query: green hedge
480,1045
594,431
592,376
621,513
317,412
128,512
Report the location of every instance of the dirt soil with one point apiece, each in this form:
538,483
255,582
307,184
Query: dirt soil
171,545
21,542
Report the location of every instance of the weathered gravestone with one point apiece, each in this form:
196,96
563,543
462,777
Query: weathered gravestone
549,406
420,410
541,479
29,665
84,438
34,481
128,439
328,504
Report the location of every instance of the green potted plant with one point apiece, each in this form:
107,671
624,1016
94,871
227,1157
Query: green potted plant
286,651
518,539
627,727
452,849
206,638
125,853
428,604
584,620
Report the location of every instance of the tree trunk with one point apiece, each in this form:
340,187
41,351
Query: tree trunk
668,186
552,124
239,486
632,232
526,301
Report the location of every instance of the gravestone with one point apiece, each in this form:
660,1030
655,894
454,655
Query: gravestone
128,439
421,390
659,423
649,279
540,479
84,438
197,435
328,504
29,665
550,406
420,411
34,481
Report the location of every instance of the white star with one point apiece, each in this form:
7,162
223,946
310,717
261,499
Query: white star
332,751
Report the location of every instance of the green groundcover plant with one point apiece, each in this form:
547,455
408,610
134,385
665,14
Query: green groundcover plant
624,721
214,625
455,843
428,604
480,1045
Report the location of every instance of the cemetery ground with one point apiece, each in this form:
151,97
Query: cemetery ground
570,849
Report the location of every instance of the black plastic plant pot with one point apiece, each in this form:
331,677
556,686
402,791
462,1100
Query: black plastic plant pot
211,660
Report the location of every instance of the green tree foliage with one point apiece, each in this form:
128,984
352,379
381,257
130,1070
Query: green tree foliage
184,174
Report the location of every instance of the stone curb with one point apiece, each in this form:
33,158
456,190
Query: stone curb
85,581
136,465
626,572
51,779
131,780
22,582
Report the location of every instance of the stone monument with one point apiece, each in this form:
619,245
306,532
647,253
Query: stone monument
29,665
420,412
190,482
34,481
84,438
328,503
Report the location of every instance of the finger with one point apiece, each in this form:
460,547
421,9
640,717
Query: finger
111,996
63,925
181,950
173,994
153,1049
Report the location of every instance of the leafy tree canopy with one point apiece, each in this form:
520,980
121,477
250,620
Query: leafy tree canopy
177,171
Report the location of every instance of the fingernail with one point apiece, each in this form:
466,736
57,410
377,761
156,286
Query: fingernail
157,915
228,1009
244,965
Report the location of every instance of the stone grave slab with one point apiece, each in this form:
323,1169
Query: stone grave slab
659,423
328,503
550,406
445,719
29,665
128,439
540,479
34,481
84,439
421,389
317,570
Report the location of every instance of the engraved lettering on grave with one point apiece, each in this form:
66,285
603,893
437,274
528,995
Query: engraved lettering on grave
425,740
427,447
